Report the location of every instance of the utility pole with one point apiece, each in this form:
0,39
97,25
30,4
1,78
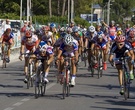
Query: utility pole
92,13
72,10
28,10
20,10
108,10
68,11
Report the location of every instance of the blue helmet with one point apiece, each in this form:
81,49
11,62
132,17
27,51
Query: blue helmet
52,25
75,29
42,43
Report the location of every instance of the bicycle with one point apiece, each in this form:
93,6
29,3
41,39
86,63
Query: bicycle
31,70
66,78
99,64
5,55
84,58
40,84
126,76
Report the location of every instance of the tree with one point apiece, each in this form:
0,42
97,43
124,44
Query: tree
50,8
63,9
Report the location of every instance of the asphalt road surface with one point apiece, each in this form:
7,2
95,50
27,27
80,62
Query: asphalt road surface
90,93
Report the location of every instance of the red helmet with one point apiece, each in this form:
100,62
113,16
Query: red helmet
28,34
120,38
46,28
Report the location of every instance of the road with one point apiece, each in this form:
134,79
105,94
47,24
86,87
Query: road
90,93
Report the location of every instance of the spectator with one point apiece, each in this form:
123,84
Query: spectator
7,25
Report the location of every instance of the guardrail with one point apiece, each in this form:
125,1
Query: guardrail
17,40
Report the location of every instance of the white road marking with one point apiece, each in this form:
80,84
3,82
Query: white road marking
51,85
9,108
25,99
18,104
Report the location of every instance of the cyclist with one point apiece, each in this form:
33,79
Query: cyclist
29,44
88,37
46,52
111,31
120,49
100,41
79,37
47,36
7,38
68,48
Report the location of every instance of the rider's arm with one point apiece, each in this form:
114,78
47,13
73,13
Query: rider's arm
22,48
53,41
105,24
86,42
92,47
110,58
131,54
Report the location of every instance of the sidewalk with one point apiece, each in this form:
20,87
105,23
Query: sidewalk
14,56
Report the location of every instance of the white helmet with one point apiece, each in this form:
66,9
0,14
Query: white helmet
92,29
68,39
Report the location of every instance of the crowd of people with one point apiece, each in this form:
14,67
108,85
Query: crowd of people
57,42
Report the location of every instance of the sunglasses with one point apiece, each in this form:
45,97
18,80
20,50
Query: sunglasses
28,37
120,44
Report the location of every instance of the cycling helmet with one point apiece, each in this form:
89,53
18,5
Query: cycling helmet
91,29
62,29
63,34
120,38
99,24
68,39
69,29
132,33
28,34
42,46
100,34
8,30
112,22
46,28
75,29
52,25
119,32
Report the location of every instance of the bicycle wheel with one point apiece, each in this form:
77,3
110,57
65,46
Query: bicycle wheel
126,92
37,91
43,88
4,63
100,66
64,88
28,82
67,83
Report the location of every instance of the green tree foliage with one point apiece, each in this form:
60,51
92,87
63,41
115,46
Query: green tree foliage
11,8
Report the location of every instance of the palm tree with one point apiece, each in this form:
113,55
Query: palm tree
50,8
63,8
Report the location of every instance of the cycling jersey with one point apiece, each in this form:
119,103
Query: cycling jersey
101,44
6,38
68,50
79,36
120,52
47,38
30,45
112,33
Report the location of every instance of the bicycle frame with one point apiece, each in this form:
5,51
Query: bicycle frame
40,88
67,73
126,77
4,55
